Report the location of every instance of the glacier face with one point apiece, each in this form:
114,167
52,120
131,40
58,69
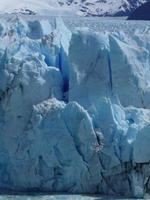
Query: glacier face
74,107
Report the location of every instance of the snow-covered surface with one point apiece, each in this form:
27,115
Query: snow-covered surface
74,105
71,7
40,7
103,7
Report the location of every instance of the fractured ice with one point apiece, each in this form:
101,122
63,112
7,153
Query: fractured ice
74,107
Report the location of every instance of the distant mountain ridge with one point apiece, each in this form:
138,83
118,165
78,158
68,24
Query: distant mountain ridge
103,7
32,7
75,7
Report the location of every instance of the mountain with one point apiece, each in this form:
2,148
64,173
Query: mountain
141,13
32,7
65,7
102,7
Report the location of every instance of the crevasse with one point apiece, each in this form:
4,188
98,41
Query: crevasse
74,108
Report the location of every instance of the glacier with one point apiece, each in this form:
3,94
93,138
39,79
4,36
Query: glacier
74,106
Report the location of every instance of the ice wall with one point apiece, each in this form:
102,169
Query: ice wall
74,109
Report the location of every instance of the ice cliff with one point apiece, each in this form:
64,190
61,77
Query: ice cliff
74,108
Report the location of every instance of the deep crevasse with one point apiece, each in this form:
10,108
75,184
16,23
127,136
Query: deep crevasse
74,109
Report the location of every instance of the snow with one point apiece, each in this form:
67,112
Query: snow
102,8
45,7
74,106
74,7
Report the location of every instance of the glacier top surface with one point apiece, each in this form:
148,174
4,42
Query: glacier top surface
98,24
